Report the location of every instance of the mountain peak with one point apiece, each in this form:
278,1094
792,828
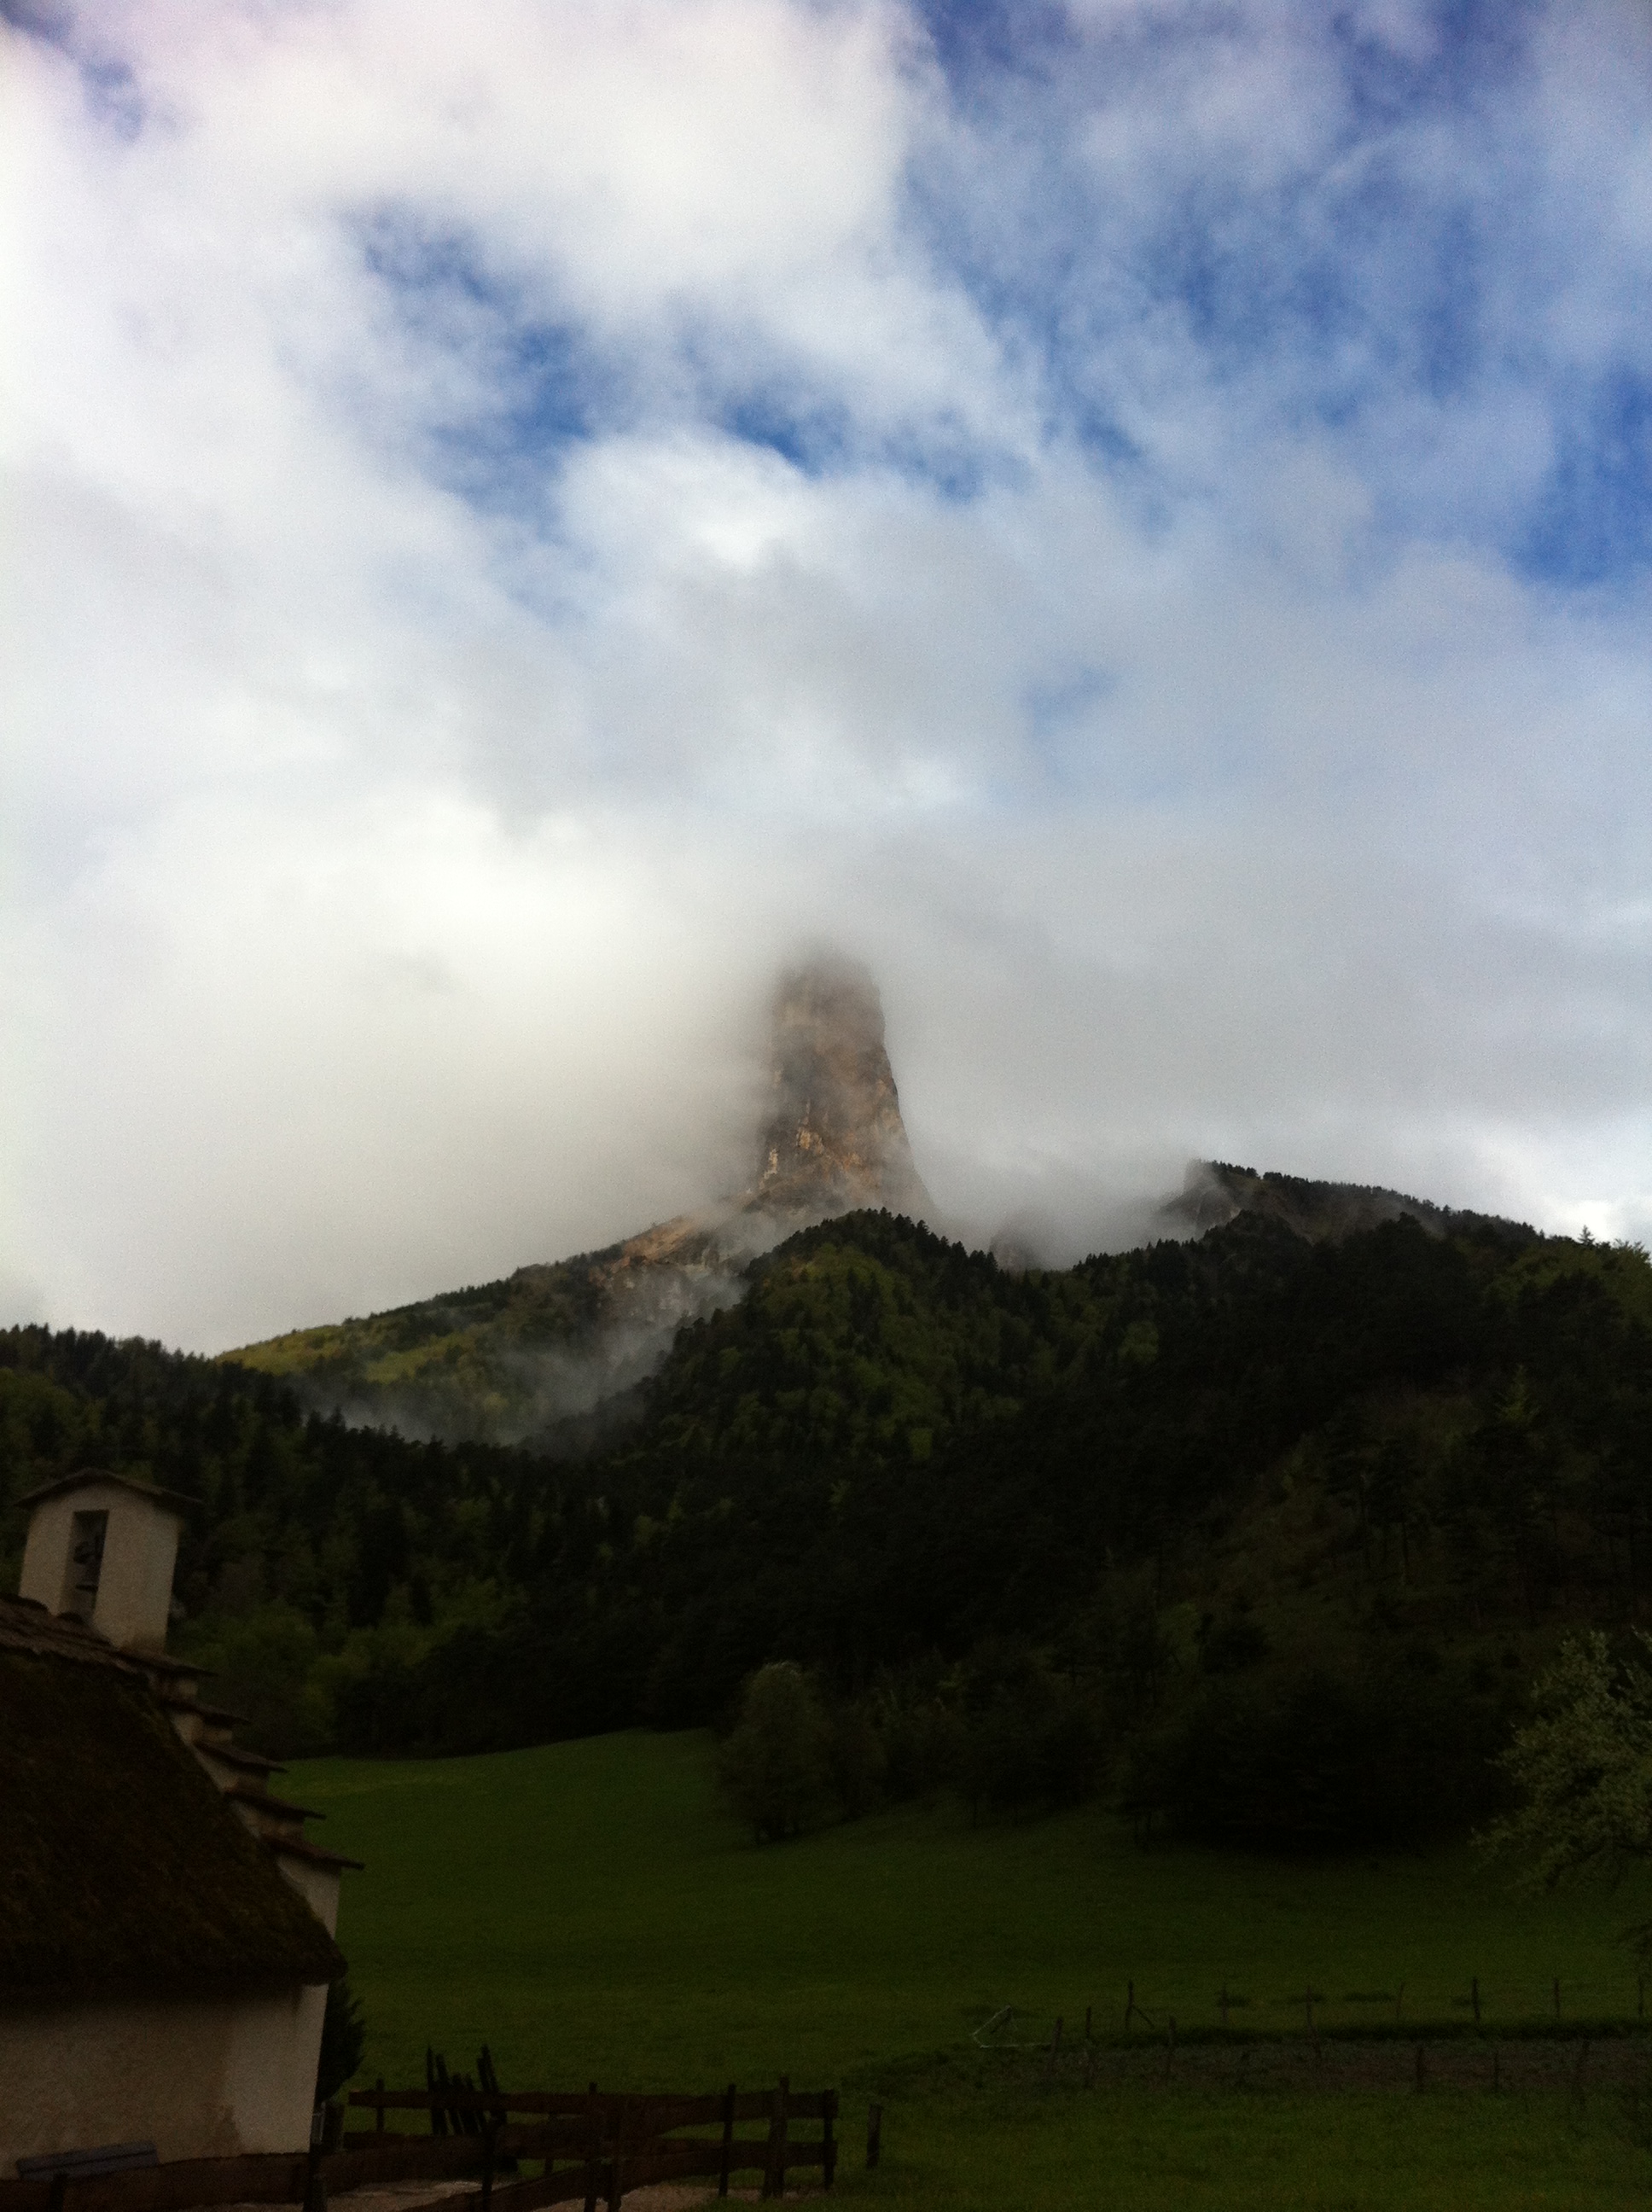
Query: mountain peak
834,1138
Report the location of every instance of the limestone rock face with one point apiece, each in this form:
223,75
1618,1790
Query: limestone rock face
834,1139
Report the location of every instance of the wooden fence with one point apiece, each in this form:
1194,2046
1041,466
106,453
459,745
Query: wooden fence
595,2149
606,2145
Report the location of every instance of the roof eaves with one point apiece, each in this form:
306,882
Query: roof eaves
231,1754
295,1847
242,1793
174,1500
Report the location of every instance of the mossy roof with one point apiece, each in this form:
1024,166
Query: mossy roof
122,1869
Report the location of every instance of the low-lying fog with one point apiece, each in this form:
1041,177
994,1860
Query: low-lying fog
542,1058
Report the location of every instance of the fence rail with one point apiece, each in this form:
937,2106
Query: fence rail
618,2142
664,2111
612,2142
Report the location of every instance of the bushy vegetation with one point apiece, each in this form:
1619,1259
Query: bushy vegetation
1582,1768
1158,1521
1003,1732
776,1763
343,2041
1319,1760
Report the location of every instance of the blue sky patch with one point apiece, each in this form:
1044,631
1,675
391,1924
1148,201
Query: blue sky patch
815,438
1594,519
537,385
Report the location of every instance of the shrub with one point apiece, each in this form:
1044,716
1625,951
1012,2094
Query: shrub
919,1735
776,1766
343,2041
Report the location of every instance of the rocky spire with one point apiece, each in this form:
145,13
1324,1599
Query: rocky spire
834,1137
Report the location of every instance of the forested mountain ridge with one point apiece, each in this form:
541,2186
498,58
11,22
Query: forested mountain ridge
1216,1191
554,1355
530,1356
551,1355
1214,1469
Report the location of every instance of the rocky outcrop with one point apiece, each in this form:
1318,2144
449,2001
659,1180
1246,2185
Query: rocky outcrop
834,1139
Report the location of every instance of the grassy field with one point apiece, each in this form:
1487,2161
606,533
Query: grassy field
590,1911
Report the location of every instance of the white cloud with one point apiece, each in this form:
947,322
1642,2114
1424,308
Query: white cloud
418,792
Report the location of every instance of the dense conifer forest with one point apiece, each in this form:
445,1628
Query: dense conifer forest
1267,1537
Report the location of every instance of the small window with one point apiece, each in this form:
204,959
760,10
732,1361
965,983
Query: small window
85,1563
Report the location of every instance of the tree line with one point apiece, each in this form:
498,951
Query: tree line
1269,1538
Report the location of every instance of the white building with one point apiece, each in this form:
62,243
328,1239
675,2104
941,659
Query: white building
166,1926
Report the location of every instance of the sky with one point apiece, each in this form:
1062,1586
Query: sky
1134,518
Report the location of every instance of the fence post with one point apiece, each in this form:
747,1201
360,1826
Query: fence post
874,2134
775,2172
728,2141
828,2137
1474,1998
592,2147
1129,2004
488,2131
59,2190
783,2105
616,2156
1557,1996
378,2122
315,2189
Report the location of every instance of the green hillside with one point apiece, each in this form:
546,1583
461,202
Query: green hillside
498,1362
591,1912
527,1358
1187,1523
445,1359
